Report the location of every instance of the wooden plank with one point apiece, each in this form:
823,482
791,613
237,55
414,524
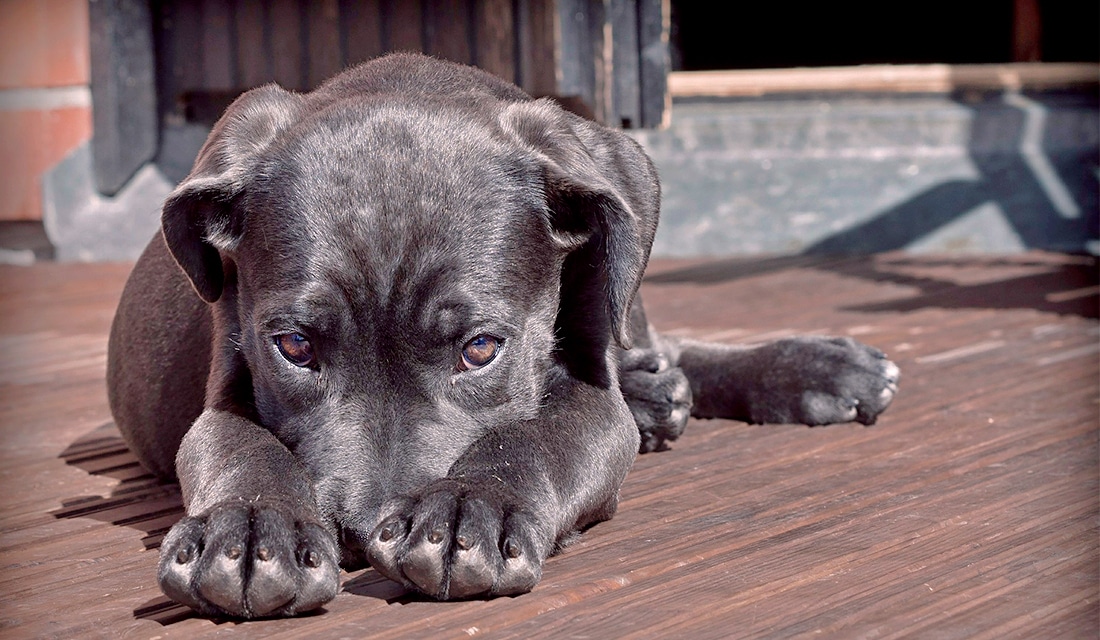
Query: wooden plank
447,30
254,59
181,57
219,52
575,61
323,20
626,64
655,64
930,78
123,88
495,38
361,30
969,510
538,50
288,56
602,46
404,25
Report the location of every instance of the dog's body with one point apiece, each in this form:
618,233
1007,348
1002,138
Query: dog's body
414,286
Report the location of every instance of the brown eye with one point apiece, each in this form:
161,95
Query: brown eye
295,348
479,352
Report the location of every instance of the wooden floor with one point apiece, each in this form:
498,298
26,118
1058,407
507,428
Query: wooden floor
969,511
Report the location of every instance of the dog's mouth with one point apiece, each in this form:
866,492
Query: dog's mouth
353,549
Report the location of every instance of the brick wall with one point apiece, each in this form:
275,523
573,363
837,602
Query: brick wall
45,103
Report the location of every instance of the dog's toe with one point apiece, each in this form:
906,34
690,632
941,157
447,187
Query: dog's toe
659,398
457,542
818,381
248,562
522,557
476,562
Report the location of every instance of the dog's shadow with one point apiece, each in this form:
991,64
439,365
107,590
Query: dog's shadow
140,501
143,502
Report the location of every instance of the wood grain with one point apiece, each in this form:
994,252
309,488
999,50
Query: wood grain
969,511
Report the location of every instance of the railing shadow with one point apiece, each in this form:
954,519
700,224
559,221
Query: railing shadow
1046,188
1063,285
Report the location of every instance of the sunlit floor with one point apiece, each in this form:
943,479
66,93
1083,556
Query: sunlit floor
970,510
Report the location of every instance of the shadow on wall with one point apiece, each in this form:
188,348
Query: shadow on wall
1049,199
857,173
1036,162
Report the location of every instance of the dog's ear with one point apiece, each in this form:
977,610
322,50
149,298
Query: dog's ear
200,219
603,199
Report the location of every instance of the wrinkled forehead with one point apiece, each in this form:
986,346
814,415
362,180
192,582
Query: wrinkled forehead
394,199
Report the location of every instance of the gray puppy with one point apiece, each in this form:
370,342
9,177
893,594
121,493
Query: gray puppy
415,290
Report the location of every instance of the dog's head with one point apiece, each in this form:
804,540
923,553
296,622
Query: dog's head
393,276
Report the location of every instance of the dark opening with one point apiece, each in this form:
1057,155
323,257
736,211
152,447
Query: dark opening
708,35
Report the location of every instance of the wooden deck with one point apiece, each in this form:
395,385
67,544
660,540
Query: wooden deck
970,511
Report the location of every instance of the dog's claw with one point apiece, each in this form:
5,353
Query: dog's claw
460,557
658,396
830,380
206,563
511,549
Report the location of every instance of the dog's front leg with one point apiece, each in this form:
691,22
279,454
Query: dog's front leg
509,500
251,544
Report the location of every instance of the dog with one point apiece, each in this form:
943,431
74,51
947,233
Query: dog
395,321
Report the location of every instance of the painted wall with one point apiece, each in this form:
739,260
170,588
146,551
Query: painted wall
45,104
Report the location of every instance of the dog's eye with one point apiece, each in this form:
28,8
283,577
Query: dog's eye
296,348
479,352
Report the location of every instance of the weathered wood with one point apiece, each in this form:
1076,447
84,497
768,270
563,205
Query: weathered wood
180,62
254,60
655,65
576,62
922,78
405,25
495,38
288,60
970,509
601,59
218,61
361,24
123,90
538,57
323,39
626,61
447,30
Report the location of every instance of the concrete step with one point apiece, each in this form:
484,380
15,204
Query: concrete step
853,174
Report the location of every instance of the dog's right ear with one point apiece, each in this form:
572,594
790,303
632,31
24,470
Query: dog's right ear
602,200
200,219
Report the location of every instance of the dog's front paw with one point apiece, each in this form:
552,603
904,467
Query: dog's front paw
659,397
459,540
821,380
248,561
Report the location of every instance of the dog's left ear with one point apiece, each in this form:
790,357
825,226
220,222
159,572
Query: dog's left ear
201,219
603,199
